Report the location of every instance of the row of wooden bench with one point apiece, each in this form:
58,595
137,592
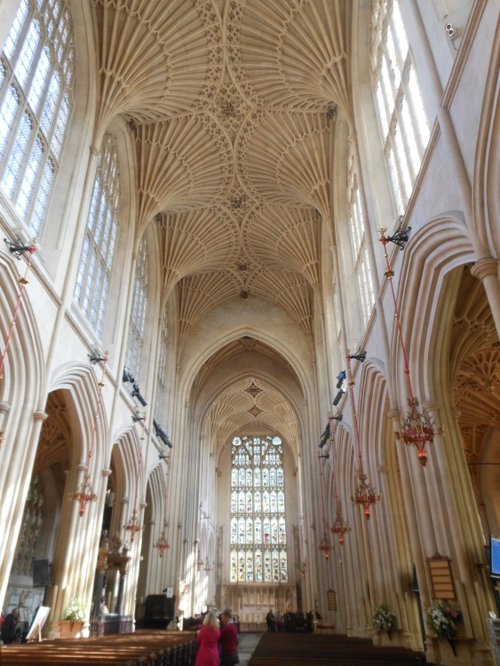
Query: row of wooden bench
287,649
142,648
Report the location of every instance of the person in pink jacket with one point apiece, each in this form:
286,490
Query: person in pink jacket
208,641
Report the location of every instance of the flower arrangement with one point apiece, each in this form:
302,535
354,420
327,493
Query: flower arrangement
443,619
384,619
75,611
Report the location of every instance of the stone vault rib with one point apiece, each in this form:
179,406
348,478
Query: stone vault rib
157,59
183,163
291,55
285,239
285,159
197,294
290,290
196,240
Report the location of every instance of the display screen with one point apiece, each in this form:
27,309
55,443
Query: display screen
495,556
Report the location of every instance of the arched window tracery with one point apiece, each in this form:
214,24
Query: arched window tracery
258,529
137,323
359,239
398,100
96,260
36,81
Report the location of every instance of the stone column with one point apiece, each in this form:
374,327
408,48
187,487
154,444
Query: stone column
486,270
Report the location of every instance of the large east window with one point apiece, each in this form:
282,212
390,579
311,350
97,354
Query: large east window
36,75
258,529
400,109
96,261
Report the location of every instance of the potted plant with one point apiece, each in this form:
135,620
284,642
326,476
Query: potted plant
443,620
72,620
384,619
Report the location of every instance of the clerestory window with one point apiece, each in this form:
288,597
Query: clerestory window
96,261
398,100
258,528
36,77
359,242
137,322
161,373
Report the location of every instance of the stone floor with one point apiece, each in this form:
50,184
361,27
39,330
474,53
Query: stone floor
246,646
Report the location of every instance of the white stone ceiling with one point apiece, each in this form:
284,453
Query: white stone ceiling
232,106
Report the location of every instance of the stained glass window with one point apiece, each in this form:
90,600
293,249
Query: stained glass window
36,80
258,528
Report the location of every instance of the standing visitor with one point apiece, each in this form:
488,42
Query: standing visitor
208,641
9,626
271,621
228,640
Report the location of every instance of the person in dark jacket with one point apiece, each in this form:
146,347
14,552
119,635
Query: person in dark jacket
9,625
228,642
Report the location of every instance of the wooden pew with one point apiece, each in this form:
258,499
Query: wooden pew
153,648
289,649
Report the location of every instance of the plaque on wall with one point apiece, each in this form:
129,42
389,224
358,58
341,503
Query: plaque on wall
443,586
331,599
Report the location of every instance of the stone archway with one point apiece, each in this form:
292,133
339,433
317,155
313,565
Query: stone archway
475,358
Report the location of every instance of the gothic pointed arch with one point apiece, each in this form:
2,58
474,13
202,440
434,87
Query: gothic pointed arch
23,377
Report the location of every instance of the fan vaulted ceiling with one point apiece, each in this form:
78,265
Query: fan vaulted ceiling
232,106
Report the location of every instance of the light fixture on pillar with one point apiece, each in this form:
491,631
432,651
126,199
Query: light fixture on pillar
162,544
17,249
199,563
134,524
365,495
416,428
325,545
303,569
340,526
207,566
85,494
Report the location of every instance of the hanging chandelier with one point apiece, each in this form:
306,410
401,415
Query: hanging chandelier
162,544
340,526
84,495
199,563
417,429
133,526
365,495
325,546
